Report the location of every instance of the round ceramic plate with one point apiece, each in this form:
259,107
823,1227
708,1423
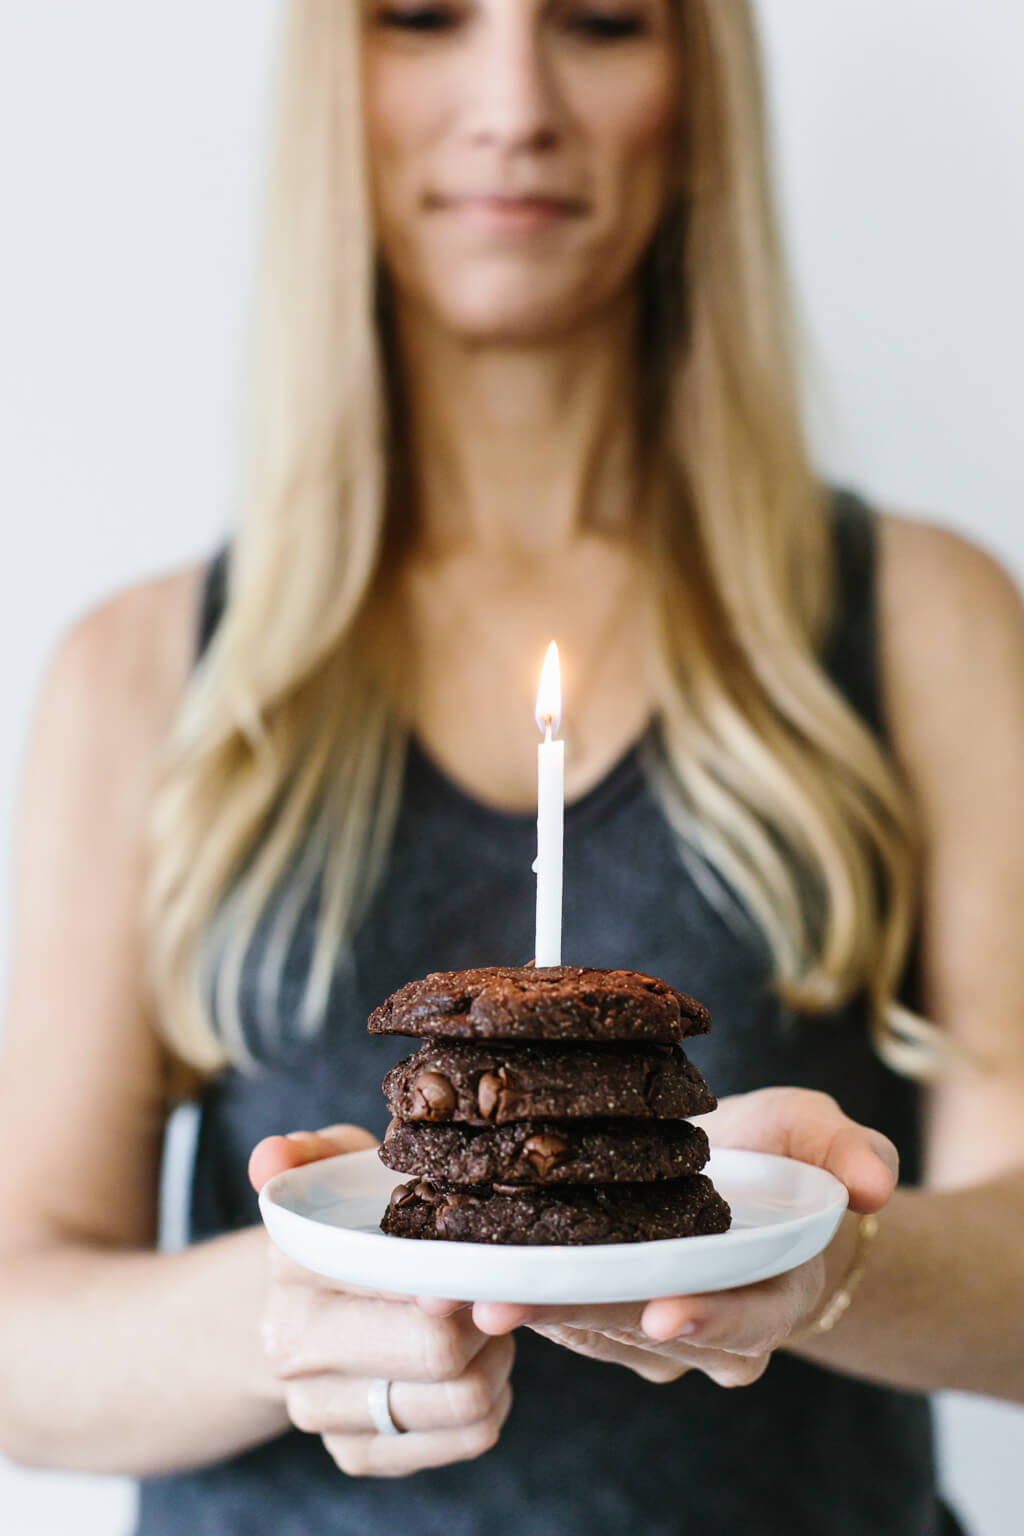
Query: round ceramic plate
326,1217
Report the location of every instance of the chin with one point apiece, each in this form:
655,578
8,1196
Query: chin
490,315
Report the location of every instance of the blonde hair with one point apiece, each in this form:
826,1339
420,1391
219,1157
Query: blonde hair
288,752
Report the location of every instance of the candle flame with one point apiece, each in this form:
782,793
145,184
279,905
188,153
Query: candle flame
549,695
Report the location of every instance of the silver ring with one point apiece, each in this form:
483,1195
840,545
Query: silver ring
380,1411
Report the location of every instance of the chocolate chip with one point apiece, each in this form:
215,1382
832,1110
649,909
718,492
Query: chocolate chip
545,1152
402,1195
433,1097
426,1191
444,1211
515,1106
487,1092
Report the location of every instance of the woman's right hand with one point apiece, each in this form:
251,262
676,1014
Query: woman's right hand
325,1342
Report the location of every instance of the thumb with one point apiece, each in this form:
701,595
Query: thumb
276,1153
811,1127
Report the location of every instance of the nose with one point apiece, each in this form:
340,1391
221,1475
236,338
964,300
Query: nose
515,101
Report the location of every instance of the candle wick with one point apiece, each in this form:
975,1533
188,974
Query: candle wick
547,728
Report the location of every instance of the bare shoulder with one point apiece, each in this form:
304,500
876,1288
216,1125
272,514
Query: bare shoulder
130,654
952,649
79,1016
934,578
952,640
107,702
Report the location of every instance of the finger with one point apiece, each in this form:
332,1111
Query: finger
866,1162
810,1126
651,1363
466,1400
439,1306
335,1404
400,1455
286,1272
501,1316
496,1317
307,1332
852,1152
750,1320
274,1154
665,1363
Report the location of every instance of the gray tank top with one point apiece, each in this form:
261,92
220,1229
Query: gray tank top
588,1448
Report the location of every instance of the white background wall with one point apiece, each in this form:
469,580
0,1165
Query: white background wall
131,138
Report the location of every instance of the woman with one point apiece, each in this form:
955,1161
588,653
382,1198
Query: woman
477,423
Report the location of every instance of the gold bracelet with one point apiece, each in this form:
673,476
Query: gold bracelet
841,1297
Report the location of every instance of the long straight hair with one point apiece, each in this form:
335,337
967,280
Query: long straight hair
287,755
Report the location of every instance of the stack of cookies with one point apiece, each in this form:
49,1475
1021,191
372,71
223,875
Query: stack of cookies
547,1106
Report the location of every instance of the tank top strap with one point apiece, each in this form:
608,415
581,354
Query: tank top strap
851,652
212,598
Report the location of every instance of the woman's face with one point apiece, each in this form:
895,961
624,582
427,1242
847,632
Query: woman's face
467,101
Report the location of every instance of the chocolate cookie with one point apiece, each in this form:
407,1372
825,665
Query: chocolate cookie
480,1084
621,1213
547,1152
558,1002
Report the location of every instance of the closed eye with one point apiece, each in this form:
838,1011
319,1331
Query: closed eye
605,26
424,18
597,25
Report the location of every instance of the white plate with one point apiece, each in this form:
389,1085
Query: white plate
326,1217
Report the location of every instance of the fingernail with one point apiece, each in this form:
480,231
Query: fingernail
887,1151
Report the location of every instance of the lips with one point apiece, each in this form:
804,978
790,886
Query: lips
517,202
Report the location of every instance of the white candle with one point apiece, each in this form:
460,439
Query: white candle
550,815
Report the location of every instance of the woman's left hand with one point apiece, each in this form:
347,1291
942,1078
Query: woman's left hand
729,1335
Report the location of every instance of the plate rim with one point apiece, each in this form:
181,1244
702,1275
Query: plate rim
701,1242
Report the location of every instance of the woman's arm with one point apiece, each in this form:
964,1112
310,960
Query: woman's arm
135,1363
940,1302
112,1357
939,1307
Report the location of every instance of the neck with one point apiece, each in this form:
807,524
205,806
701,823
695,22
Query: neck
518,448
